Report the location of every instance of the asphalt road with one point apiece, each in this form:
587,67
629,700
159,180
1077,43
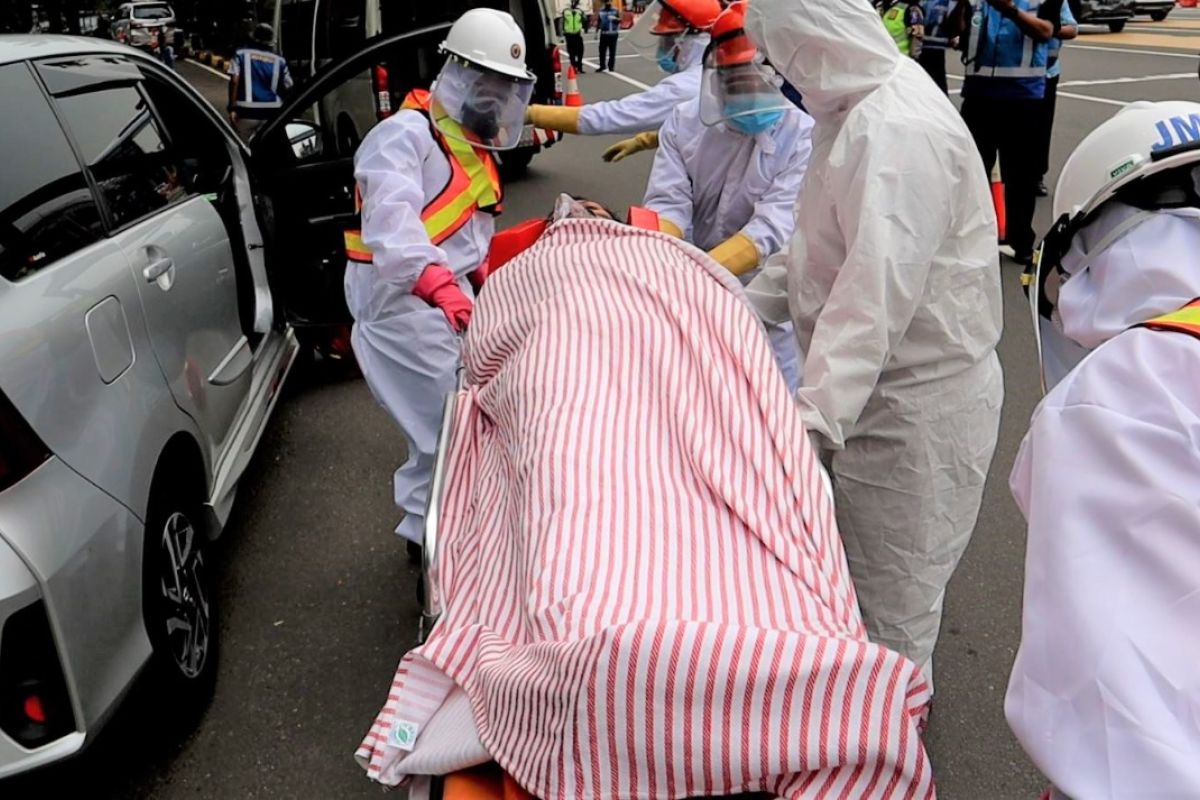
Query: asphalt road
317,600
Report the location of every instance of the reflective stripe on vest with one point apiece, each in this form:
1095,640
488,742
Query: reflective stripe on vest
1185,320
572,21
474,183
246,59
893,20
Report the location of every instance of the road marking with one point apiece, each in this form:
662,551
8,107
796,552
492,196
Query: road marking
1174,76
618,76
207,68
1130,50
1150,40
1091,99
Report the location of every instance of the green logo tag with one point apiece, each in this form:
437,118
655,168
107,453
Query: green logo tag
1121,169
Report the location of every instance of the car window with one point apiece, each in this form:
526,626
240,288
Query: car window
121,145
46,208
152,12
197,144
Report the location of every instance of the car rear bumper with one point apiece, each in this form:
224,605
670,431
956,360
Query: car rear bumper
70,594
1144,7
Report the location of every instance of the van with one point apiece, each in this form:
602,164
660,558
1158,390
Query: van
312,34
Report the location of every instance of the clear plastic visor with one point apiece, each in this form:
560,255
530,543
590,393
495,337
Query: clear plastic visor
737,83
480,106
658,31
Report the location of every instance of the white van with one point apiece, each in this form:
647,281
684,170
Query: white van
311,34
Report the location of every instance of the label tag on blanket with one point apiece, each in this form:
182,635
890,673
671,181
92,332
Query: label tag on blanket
404,734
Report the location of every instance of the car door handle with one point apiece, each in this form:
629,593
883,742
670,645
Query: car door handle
157,268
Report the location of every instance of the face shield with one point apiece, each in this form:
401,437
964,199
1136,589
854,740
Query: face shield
739,88
663,36
480,106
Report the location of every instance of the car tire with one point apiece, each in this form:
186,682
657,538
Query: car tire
179,597
1117,27
1159,16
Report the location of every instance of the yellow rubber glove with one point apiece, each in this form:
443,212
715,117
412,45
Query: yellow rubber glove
736,254
666,226
647,140
554,118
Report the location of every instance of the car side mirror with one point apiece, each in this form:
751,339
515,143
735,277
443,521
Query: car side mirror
305,139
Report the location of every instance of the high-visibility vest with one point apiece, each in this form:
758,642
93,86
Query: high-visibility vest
1185,320
572,21
893,20
474,183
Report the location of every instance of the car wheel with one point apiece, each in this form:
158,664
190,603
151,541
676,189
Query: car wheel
1159,16
1117,27
178,597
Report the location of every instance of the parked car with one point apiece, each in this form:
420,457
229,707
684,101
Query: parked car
146,25
154,272
1113,13
1157,10
313,34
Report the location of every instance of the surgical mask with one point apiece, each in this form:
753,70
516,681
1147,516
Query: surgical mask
745,115
667,62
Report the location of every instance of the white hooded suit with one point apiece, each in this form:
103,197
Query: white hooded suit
893,284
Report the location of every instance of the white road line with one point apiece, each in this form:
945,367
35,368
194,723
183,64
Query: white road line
207,68
1174,76
1130,50
1106,101
618,75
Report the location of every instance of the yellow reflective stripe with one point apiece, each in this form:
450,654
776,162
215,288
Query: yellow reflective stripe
482,188
448,214
355,249
1188,315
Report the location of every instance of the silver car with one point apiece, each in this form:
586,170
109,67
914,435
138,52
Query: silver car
155,273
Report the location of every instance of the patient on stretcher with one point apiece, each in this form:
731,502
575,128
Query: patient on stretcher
644,593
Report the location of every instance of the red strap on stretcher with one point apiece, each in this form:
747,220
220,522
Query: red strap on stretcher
643,218
508,244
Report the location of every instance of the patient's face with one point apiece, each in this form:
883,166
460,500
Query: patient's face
568,207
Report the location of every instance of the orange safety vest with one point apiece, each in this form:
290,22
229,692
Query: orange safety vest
1185,320
474,184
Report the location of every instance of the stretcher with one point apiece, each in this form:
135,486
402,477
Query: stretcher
650,604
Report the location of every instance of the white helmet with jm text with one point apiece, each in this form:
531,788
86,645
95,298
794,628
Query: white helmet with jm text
1136,156
484,86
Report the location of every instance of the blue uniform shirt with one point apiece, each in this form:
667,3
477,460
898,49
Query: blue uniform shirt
610,20
1054,68
264,76
1001,61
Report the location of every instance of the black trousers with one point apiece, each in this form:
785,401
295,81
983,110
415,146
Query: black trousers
934,62
1009,128
608,51
1049,103
575,50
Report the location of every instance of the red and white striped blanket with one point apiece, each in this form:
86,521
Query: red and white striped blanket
646,595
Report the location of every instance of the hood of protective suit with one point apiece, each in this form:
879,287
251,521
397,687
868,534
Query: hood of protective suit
1148,271
834,51
691,51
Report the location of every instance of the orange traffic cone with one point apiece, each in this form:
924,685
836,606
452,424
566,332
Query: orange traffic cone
574,98
998,199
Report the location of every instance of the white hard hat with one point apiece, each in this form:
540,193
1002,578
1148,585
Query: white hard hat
1142,139
490,39
1115,161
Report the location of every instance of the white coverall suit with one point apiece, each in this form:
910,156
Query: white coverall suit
713,182
1105,691
405,347
647,110
894,286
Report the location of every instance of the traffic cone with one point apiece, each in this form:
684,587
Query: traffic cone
998,199
574,98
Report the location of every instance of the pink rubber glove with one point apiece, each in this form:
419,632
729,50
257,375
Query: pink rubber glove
438,287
